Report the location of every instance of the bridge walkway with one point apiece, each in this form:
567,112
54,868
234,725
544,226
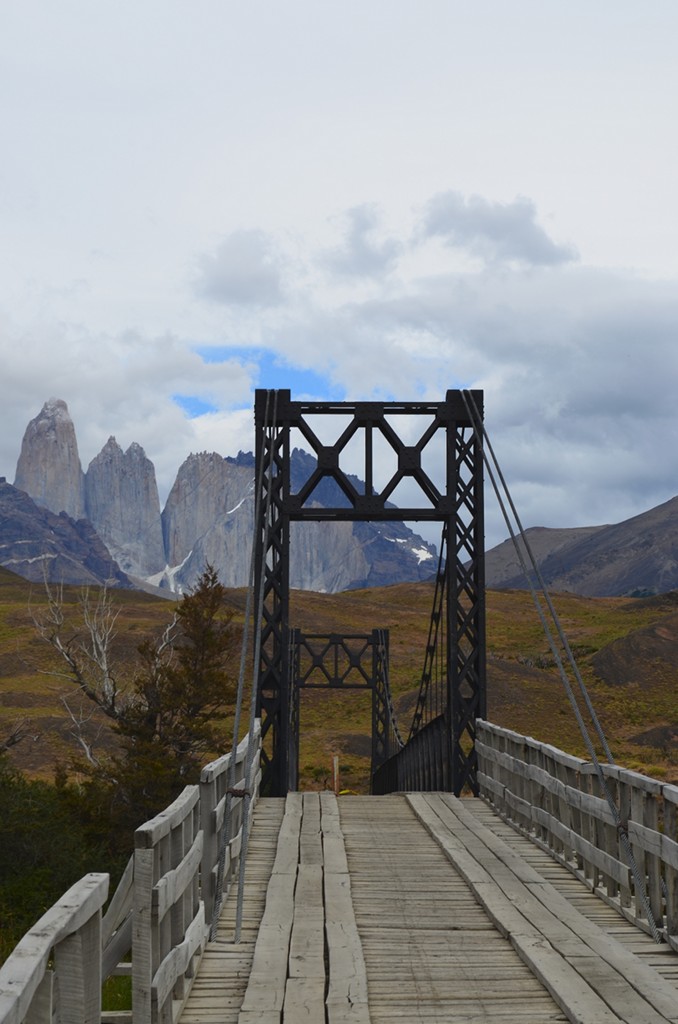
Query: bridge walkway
420,908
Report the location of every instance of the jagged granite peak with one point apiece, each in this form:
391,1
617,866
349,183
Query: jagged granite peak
208,489
209,518
122,503
49,467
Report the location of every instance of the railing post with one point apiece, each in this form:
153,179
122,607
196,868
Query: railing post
55,971
670,795
77,965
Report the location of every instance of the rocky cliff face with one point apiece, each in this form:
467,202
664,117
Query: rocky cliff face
49,465
208,516
121,501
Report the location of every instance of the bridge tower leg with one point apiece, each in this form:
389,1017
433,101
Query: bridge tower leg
272,576
465,604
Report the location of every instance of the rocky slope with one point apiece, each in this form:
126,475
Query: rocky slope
209,514
39,545
638,557
121,500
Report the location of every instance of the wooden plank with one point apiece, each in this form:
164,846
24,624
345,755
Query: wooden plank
268,978
346,998
304,1000
430,951
307,943
176,880
635,991
219,988
22,973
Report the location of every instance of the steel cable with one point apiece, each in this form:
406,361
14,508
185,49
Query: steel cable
485,446
257,655
226,835
393,722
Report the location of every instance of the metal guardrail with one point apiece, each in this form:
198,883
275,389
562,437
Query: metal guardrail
555,799
423,765
160,913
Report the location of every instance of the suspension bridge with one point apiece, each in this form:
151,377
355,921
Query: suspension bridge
488,876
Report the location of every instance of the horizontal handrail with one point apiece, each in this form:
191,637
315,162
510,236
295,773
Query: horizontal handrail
160,912
556,799
69,934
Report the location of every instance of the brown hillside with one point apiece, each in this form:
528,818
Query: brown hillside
627,650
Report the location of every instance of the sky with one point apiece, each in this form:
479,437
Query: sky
366,199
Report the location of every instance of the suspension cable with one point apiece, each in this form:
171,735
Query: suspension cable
255,671
393,722
226,834
481,436
432,658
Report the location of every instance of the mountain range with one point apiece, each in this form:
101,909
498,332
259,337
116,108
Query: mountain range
207,518
107,524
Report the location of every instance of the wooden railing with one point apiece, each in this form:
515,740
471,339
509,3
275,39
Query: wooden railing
558,800
159,913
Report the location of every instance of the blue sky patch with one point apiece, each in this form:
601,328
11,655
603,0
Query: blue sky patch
193,406
274,372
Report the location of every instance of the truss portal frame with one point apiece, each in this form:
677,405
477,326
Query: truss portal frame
424,455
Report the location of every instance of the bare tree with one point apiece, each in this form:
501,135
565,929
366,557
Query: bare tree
18,732
85,648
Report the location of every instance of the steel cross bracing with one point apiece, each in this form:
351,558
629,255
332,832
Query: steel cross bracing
353,661
425,456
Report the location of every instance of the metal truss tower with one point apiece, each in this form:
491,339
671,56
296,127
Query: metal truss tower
426,457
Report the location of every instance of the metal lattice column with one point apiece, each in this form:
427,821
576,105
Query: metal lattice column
467,690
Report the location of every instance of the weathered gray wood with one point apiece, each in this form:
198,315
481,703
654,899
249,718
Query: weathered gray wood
77,970
121,904
347,998
592,839
151,832
177,961
61,928
635,992
268,978
430,950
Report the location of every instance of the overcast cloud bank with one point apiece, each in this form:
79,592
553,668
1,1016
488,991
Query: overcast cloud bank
481,198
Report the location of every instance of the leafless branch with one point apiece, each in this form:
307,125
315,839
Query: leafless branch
79,723
19,732
86,653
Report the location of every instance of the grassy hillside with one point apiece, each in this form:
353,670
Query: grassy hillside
627,652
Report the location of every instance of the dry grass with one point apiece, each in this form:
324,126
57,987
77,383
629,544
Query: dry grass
627,651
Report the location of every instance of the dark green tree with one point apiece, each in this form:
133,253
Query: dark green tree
44,848
173,718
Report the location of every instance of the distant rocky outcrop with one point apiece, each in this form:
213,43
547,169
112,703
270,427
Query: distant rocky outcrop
49,465
39,545
208,516
121,500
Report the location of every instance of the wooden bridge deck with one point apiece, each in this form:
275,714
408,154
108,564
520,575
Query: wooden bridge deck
420,908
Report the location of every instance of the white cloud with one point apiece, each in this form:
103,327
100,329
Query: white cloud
362,253
173,180
496,232
242,270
